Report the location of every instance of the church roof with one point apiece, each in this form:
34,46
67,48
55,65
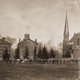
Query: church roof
4,42
27,40
75,37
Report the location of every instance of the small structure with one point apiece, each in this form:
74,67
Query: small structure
4,45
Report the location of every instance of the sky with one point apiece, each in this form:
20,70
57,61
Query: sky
42,19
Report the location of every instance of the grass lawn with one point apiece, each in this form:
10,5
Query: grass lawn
38,71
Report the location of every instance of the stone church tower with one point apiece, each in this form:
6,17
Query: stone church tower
66,37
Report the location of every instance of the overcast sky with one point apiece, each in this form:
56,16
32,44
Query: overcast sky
42,19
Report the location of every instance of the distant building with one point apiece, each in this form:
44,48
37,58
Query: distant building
66,37
73,45
30,44
3,45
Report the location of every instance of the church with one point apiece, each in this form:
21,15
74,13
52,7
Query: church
71,47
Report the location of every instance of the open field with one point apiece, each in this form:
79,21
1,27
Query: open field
38,71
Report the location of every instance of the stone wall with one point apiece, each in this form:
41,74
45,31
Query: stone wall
30,45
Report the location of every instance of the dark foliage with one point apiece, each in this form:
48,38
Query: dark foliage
39,53
6,55
45,54
26,55
17,55
68,55
52,53
35,53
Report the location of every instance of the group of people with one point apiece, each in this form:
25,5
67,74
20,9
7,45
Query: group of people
44,61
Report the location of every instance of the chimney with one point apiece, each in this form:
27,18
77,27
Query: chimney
3,38
26,36
36,40
19,40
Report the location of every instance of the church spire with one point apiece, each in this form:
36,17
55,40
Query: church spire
66,30
66,37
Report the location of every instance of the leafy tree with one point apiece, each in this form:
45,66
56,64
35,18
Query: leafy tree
26,55
6,55
68,55
35,53
39,53
17,55
52,53
45,54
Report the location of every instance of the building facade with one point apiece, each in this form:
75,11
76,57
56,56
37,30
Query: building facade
73,45
75,40
4,45
30,44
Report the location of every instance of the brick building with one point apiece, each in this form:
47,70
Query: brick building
75,40
30,44
3,45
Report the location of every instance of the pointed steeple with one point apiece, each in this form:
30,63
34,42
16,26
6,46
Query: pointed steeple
66,36
66,30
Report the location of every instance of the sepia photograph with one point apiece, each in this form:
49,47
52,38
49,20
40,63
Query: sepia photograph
39,39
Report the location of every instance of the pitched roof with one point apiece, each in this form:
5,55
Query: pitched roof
29,40
4,42
75,37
